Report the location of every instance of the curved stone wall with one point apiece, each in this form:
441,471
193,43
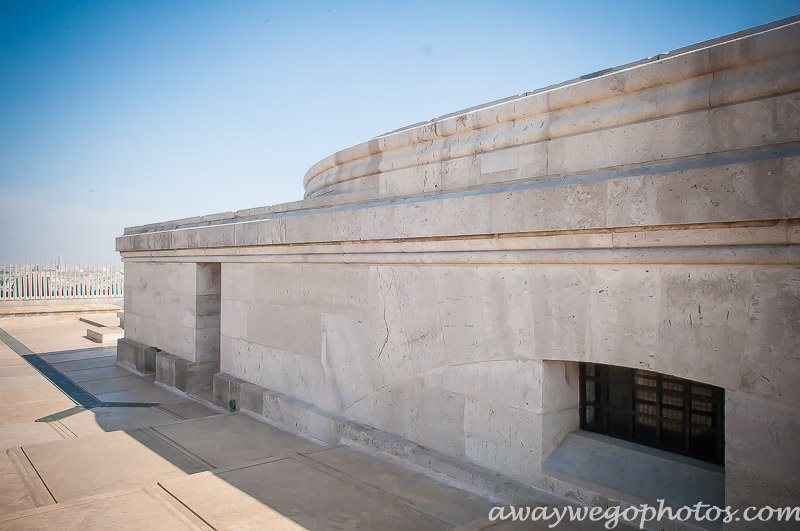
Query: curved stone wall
670,108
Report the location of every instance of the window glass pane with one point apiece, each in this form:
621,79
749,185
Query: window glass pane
702,390
590,391
703,442
593,419
648,409
619,387
662,411
672,434
702,405
672,400
645,378
644,395
619,423
644,429
702,420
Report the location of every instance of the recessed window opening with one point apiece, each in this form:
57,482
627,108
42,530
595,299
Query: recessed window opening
653,409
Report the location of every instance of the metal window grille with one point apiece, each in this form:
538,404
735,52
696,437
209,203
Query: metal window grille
653,409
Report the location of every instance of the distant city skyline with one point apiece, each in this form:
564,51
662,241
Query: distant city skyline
116,114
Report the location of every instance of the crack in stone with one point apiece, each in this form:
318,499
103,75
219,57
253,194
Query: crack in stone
385,322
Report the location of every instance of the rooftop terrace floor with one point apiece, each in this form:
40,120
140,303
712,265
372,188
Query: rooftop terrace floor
177,462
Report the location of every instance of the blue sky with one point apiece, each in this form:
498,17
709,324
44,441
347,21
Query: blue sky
117,113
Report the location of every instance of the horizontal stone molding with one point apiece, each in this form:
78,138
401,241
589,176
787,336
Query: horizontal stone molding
775,242
739,186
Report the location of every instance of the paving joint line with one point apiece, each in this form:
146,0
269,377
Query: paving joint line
155,434
331,471
38,475
165,498
171,495
39,493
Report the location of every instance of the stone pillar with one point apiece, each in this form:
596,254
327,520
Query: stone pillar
174,310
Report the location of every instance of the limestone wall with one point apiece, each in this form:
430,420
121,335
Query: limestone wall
454,357
441,282
174,307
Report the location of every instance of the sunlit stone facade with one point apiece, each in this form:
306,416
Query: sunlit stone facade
434,293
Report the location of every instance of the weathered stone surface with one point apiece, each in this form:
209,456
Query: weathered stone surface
440,284
137,356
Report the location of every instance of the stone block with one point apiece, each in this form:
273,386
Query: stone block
252,398
207,278
511,383
226,388
216,236
752,487
504,439
761,122
770,365
702,323
135,355
294,329
165,368
623,302
104,334
233,318
761,434
730,192
687,135
461,314
562,313
192,377
548,208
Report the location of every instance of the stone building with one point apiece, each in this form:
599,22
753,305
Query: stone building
591,289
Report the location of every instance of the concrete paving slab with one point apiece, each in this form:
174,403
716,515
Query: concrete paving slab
188,409
13,435
13,494
75,365
433,497
543,525
97,373
75,468
21,380
71,355
14,361
15,412
31,393
134,510
18,370
42,334
227,440
112,385
288,494
5,350
146,392
106,419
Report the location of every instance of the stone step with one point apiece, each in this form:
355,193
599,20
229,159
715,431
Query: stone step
105,334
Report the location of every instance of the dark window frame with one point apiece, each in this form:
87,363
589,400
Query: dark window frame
624,384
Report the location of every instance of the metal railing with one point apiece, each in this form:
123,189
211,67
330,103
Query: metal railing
24,281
